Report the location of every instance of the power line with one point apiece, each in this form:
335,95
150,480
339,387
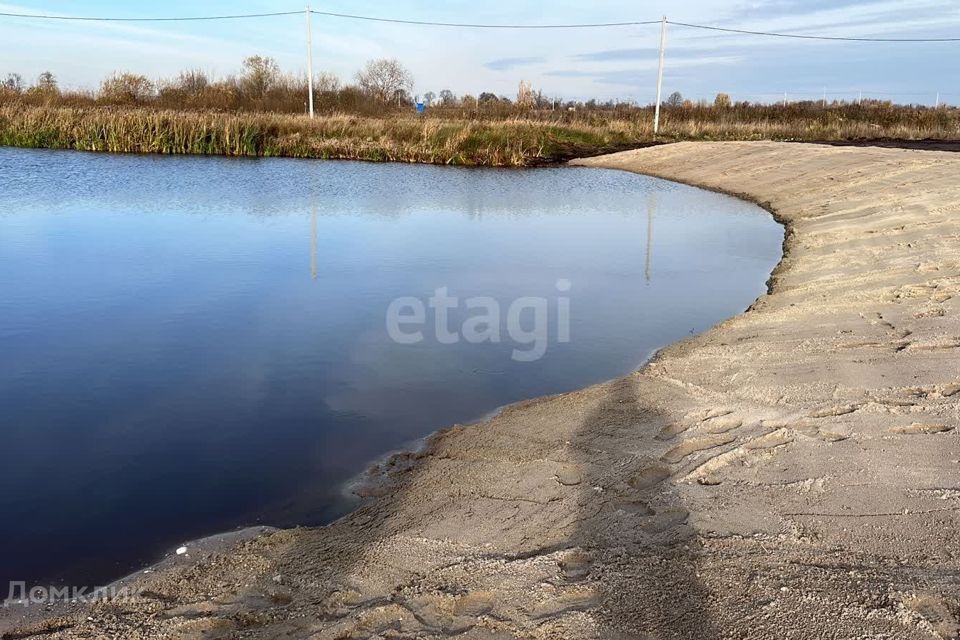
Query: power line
348,16
624,24
809,37
174,19
473,25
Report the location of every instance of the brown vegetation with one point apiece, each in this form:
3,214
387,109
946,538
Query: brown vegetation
503,142
260,112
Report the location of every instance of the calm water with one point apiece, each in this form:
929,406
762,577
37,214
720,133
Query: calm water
194,344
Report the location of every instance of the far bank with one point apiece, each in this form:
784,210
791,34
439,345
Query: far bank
452,137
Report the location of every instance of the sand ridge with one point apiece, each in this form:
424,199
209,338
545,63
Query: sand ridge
790,473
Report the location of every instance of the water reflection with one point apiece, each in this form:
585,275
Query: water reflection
313,242
651,209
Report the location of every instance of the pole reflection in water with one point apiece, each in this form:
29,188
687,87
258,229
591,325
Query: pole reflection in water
313,242
651,210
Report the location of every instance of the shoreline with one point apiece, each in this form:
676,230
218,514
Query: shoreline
561,159
374,478
710,485
517,140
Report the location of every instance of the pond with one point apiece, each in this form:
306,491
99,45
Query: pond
190,345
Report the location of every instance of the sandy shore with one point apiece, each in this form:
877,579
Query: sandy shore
792,473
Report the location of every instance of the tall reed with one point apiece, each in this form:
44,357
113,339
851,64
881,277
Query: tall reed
514,142
444,137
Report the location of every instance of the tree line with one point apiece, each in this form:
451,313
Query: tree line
261,85
381,86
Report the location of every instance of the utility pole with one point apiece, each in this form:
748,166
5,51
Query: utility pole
784,99
824,97
663,46
309,62
937,106
860,98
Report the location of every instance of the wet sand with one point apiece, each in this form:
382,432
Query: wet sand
793,472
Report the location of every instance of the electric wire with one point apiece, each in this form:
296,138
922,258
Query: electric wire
480,25
132,19
474,25
808,37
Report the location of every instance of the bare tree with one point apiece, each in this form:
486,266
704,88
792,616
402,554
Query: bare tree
385,79
326,82
401,96
722,101
192,82
429,97
675,99
447,97
525,96
47,81
126,88
260,74
14,82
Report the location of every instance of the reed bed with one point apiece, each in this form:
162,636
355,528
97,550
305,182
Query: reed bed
443,138
513,142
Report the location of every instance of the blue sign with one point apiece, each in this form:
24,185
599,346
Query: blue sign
421,107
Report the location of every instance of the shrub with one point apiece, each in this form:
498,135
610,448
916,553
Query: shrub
126,88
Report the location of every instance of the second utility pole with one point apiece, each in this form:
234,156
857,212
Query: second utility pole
309,62
663,46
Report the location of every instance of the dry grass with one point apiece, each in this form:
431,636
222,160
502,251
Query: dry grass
513,142
447,136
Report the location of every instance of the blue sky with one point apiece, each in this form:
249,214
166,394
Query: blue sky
617,63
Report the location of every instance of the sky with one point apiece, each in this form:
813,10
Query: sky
617,63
